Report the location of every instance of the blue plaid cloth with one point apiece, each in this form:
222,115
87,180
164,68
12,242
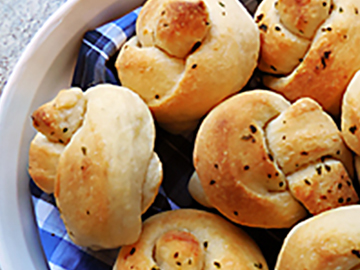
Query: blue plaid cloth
95,65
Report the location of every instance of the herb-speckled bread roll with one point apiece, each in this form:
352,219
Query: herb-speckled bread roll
255,155
56,121
107,173
313,45
190,239
330,240
187,56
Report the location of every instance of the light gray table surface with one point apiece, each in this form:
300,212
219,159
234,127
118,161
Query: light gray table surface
19,21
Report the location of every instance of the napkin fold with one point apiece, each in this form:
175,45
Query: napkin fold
95,65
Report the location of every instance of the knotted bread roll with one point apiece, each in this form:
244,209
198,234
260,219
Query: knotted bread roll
328,241
259,160
106,172
190,239
187,56
312,45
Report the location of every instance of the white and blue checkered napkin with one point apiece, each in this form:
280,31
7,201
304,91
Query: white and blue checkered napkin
95,65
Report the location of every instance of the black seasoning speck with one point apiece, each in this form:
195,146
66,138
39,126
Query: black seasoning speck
212,182
284,137
348,200
178,263
327,168
300,60
269,175
83,150
329,29
258,265
246,167
340,200
194,66
236,213
157,96
65,130
318,170
338,152
323,197
165,25
205,244
353,129
132,251
88,212
259,18
273,68
348,183
176,254
307,182
61,141
195,47
356,252
341,10
221,4
339,186
324,4
217,264
253,129
281,184
189,262
356,11
276,174
301,31
271,157
304,153
263,27
327,54
163,12
277,28
216,166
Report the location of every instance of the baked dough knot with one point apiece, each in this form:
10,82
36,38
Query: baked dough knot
95,152
310,48
187,56
262,161
190,239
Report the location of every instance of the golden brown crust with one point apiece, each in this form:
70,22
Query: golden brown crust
305,133
248,148
180,26
322,186
43,160
330,62
327,241
191,239
59,119
179,91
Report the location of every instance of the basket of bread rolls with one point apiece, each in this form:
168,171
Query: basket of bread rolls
246,121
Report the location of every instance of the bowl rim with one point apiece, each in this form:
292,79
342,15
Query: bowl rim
20,246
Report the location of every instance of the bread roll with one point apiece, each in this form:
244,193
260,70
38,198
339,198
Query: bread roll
350,117
253,152
43,161
327,241
312,45
107,175
187,56
190,239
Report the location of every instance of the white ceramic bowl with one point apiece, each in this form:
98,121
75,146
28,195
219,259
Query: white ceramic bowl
45,67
